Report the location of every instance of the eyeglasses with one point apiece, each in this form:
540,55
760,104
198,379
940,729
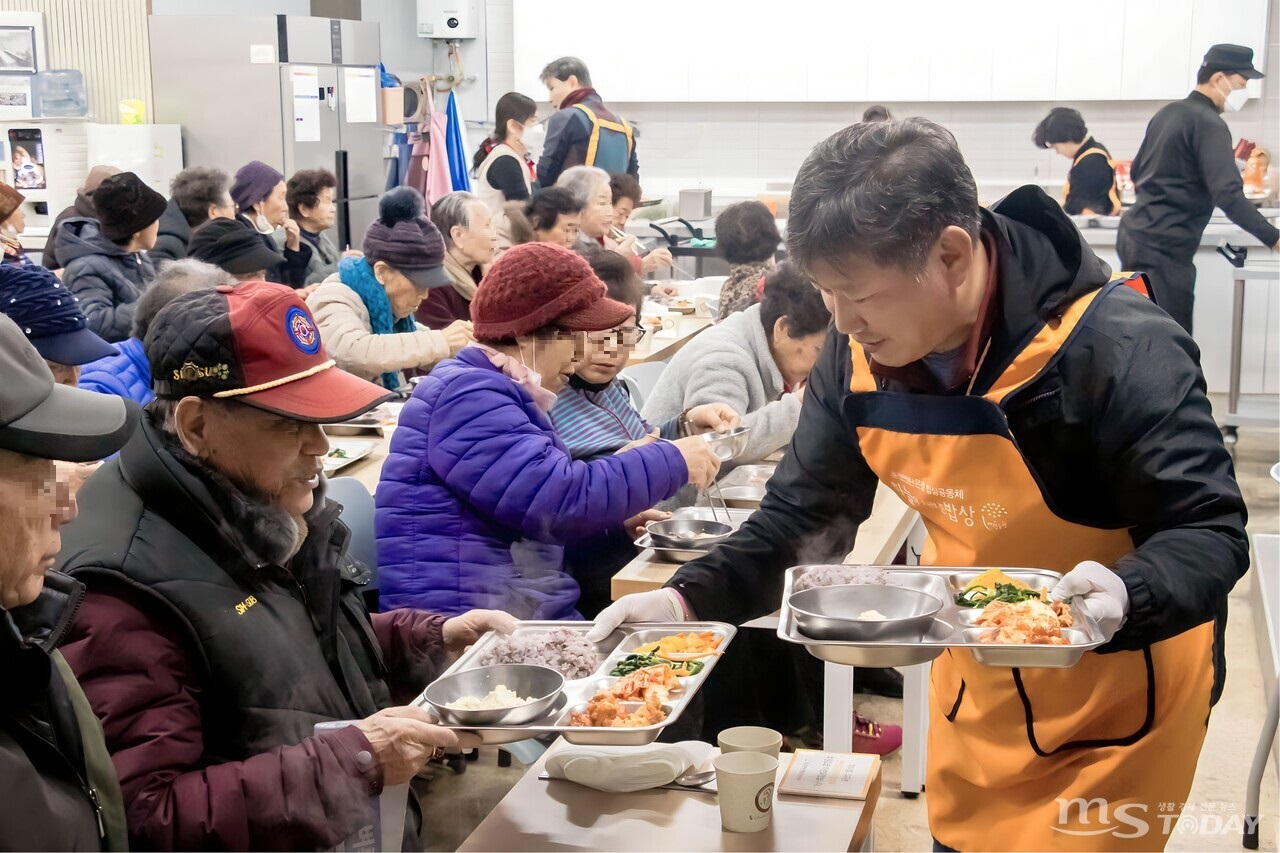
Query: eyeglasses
614,338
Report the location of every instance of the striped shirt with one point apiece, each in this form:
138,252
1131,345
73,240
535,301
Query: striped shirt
595,423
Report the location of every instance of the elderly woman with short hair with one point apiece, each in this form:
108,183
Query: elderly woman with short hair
470,242
594,191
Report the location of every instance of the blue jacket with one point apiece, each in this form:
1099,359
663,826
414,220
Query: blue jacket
478,497
127,374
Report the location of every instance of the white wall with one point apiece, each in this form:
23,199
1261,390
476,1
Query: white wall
737,148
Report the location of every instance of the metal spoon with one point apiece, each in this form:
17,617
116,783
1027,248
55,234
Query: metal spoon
695,780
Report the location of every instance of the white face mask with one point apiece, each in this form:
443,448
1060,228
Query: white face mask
534,138
263,226
1234,99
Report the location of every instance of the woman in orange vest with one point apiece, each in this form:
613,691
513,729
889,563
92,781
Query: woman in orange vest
984,364
1090,188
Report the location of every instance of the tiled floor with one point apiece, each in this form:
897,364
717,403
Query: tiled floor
457,804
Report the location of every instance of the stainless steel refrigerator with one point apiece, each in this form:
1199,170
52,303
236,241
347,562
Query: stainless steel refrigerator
294,92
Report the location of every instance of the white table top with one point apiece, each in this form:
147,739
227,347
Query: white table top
555,814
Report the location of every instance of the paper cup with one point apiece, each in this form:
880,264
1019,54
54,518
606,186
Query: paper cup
700,307
744,788
750,739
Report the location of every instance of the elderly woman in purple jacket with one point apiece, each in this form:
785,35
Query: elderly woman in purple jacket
478,495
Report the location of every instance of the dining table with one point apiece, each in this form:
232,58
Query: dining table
556,814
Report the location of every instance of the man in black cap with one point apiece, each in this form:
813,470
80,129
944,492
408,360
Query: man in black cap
1184,169
56,780
227,244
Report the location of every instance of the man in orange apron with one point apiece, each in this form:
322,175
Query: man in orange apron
1036,413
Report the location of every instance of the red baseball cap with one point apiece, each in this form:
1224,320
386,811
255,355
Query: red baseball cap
257,343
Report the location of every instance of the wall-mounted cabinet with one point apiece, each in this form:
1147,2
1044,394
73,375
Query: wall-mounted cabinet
927,50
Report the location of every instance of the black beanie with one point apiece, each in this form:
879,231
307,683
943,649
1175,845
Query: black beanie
125,205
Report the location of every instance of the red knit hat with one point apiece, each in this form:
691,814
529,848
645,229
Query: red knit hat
542,284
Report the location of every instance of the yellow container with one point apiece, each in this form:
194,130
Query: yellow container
132,111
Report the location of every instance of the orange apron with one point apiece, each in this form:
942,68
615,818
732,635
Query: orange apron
1096,757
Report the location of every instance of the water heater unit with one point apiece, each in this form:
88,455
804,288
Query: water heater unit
448,19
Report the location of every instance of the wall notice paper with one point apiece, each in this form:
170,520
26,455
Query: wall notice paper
360,96
306,103
262,54
15,96
813,773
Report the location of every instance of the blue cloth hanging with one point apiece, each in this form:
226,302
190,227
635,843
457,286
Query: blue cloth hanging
398,169
456,144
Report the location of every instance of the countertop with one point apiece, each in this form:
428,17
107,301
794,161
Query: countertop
1097,230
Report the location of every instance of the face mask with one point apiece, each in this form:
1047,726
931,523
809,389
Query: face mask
1235,99
263,226
532,382
534,139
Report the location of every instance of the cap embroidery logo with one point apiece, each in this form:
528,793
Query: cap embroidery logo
190,372
302,331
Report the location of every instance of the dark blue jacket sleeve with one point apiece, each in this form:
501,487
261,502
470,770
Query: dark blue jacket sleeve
563,132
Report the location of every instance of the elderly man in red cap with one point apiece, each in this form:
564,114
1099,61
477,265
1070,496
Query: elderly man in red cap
223,618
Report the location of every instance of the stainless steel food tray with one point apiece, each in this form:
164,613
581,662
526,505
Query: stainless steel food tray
953,628
577,692
748,475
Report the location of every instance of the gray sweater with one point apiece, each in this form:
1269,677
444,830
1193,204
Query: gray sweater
730,363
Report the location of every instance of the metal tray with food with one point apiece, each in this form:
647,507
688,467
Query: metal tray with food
342,452
622,691
750,476
879,616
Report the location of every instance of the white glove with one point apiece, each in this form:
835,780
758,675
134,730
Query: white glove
1102,592
658,605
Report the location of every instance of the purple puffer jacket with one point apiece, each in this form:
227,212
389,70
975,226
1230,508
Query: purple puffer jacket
478,496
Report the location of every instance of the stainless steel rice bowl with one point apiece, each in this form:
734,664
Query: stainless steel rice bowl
539,683
834,612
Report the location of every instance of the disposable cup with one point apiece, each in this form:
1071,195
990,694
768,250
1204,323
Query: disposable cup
750,739
744,786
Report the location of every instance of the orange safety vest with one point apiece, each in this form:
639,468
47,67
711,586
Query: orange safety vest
1030,758
1112,195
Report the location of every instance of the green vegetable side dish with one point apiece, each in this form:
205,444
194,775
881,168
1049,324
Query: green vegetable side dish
631,663
337,453
981,596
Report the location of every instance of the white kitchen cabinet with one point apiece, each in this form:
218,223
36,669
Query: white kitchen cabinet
712,76
1022,68
1155,54
959,68
1234,21
897,51
835,55
859,51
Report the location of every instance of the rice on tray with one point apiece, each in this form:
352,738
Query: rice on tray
841,575
562,649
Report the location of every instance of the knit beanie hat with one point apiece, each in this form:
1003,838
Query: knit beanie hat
254,182
10,200
233,246
535,285
125,205
404,238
